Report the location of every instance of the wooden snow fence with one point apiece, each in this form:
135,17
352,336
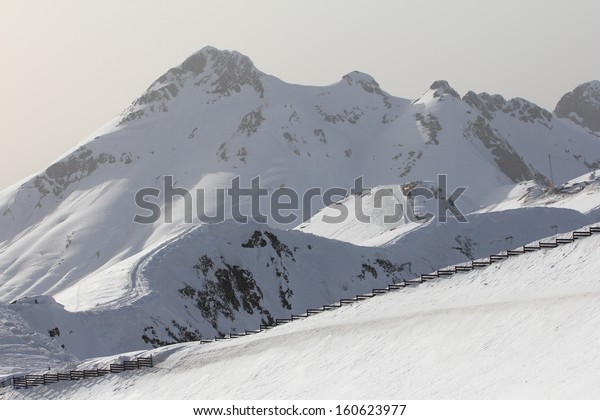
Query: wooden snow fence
29,381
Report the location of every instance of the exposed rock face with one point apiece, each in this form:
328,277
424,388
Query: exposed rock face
218,73
251,122
59,176
519,108
507,159
224,291
582,106
430,126
442,88
368,84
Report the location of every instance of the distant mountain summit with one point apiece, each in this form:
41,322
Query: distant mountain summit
582,106
216,73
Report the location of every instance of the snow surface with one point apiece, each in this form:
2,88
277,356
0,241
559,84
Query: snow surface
523,328
24,349
580,194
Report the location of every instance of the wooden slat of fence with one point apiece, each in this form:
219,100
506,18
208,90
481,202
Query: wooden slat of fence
145,362
76,375
380,291
515,252
117,367
412,282
349,300
582,233
20,382
446,272
314,311
131,364
50,378
481,263
34,380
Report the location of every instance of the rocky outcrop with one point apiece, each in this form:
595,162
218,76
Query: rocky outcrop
582,106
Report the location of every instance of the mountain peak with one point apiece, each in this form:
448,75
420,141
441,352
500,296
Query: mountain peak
217,73
441,88
210,60
359,78
582,105
364,80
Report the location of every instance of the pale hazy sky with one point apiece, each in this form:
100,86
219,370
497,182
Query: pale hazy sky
69,66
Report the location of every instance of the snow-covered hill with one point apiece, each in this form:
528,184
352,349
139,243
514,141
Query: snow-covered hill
24,349
221,279
68,239
580,194
523,328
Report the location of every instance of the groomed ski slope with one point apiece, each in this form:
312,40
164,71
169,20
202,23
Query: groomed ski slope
523,328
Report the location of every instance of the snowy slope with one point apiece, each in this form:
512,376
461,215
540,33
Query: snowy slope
523,328
24,349
579,194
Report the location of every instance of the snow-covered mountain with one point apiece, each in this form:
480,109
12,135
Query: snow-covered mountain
69,242
582,106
